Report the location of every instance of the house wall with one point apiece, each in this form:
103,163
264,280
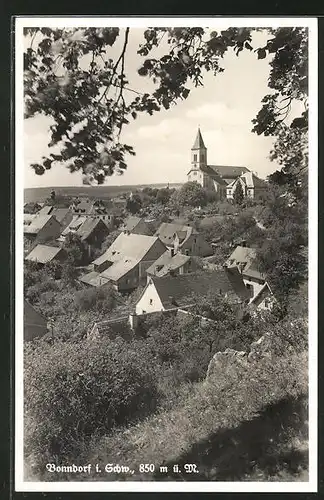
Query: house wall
196,245
149,301
256,286
155,252
265,301
129,281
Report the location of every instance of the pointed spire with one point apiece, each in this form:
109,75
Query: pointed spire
199,143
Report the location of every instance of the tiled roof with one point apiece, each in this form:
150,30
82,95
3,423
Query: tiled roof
214,175
167,231
60,213
130,224
37,224
45,210
181,290
246,257
88,226
199,143
133,246
228,171
43,254
168,263
119,269
93,279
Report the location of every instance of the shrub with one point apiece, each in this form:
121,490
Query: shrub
75,390
97,299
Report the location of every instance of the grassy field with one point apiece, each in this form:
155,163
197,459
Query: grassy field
92,192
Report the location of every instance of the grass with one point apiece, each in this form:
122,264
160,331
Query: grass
239,426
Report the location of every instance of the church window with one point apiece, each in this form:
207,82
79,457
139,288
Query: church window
195,157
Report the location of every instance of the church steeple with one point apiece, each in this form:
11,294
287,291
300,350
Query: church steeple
199,143
198,152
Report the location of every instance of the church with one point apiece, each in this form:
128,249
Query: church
222,179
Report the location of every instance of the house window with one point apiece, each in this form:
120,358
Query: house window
151,302
229,191
195,158
195,173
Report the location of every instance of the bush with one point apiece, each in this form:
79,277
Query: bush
74,392
101,299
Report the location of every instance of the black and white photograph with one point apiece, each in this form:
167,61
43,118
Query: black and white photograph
166,254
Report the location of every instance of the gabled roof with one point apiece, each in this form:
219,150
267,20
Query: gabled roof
260,292
60,213
251,271
118,269
134,246
82,205
250,180
228,171
88,226
38,223
166,263
245,258
168,230
130,223
32,316
181,290
93,278
43,254
45,210
199,143
75,224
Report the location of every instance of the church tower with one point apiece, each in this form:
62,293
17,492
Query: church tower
198,160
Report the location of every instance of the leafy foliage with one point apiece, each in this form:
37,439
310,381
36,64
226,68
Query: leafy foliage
238,195
134,203
191,194
76,250
89,388
101,299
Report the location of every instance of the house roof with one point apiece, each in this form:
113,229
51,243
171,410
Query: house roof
168,230
32,316
43,254
28,218
60,213
119,268
130,223
167,263
180,290
246,257
45,210
93,278
37,224
75,224
88,226
260,292
133,246
199,143
82,205
241,255
250,180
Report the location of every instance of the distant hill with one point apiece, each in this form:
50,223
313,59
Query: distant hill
92,192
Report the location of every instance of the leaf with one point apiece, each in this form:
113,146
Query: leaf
262,54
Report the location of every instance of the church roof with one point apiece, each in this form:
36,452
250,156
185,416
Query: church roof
228,171
199,143
214,175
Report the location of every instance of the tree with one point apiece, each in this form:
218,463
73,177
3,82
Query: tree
134,203
70,76
238,195
76,250
191,194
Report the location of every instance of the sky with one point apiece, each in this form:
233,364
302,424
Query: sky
223,109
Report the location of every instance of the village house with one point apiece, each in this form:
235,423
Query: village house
94,209
169,292
171,263
184,239
252,186
63,215
244,259
44,254
218,178
137,225
42,228
35,325
125,262
92,233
